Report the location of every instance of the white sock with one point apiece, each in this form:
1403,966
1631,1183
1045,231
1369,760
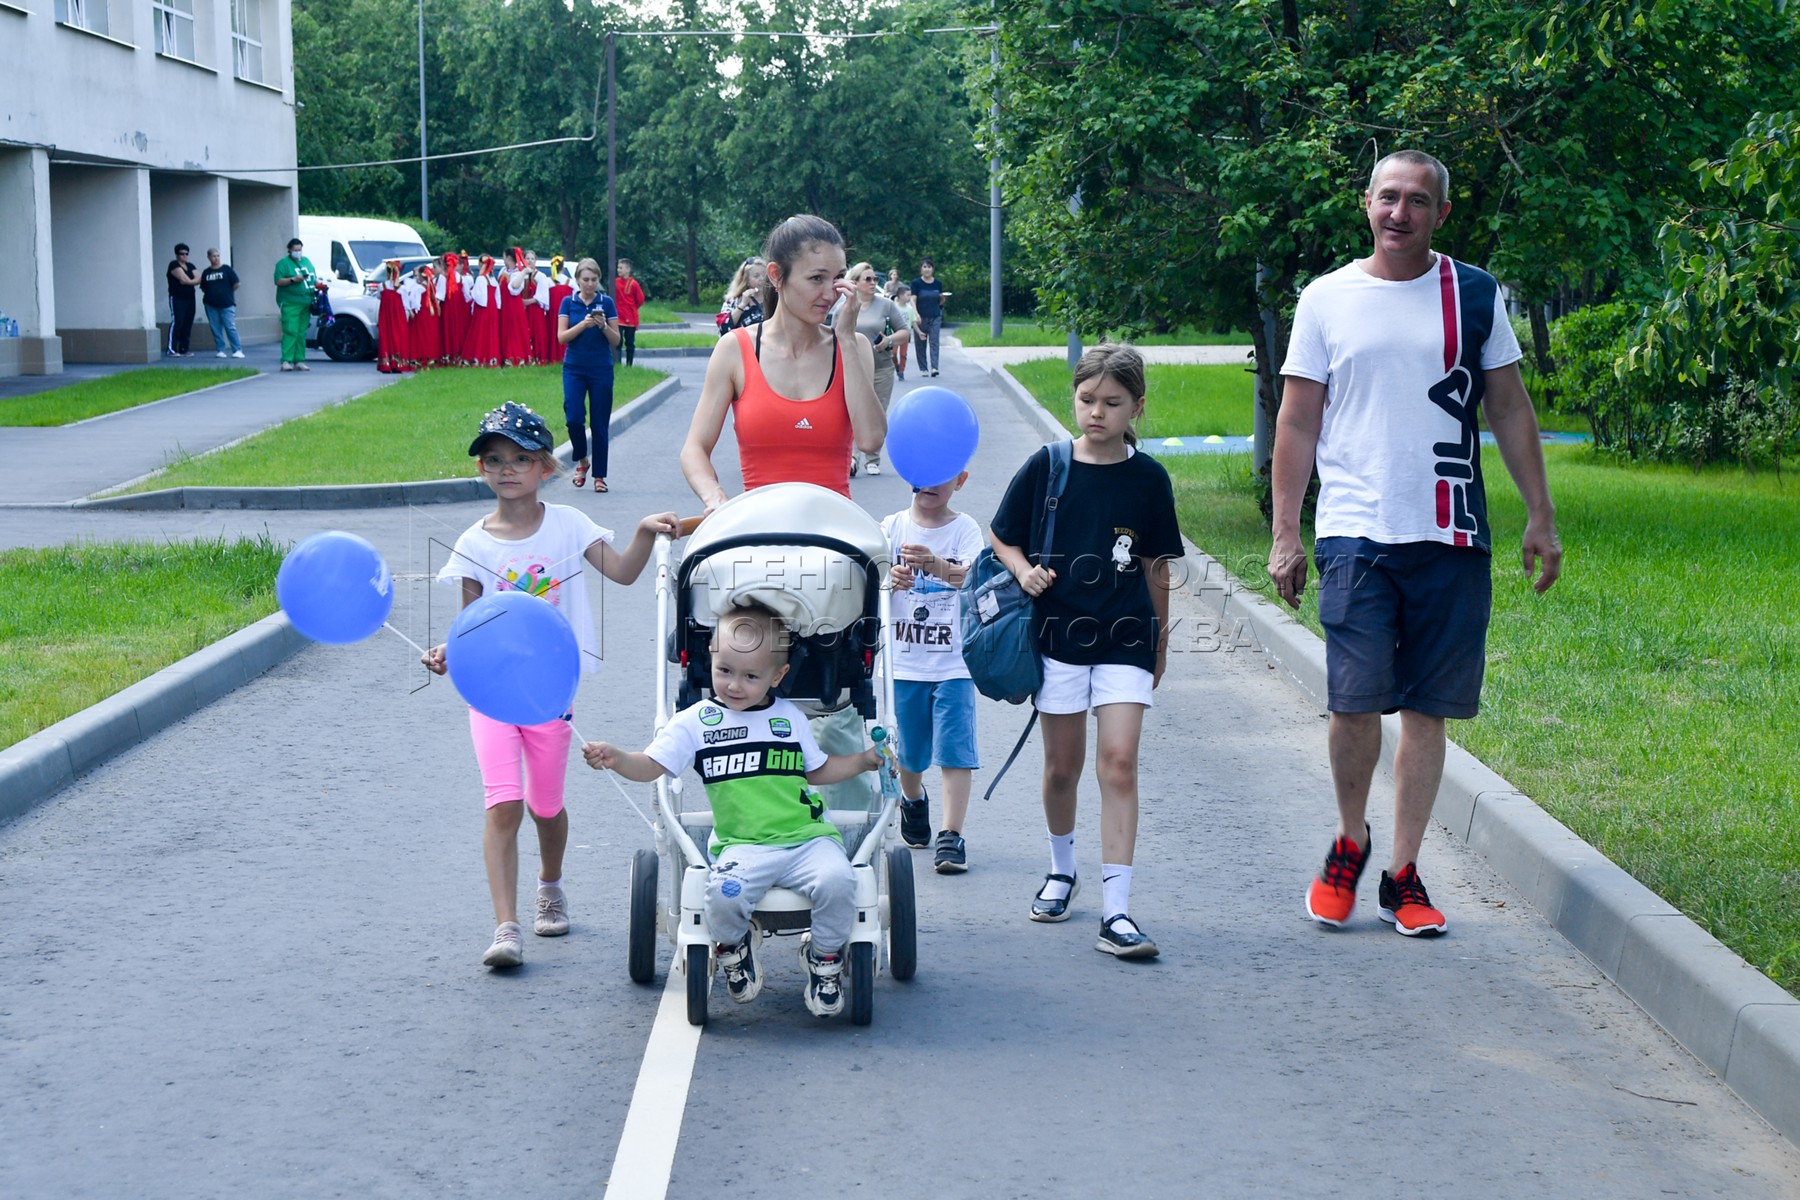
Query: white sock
549,883
1062,862
1115,889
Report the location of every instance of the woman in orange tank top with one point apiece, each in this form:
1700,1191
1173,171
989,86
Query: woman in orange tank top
800,394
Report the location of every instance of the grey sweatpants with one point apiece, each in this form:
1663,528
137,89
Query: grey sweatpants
818,870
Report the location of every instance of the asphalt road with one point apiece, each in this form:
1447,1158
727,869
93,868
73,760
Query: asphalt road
244,961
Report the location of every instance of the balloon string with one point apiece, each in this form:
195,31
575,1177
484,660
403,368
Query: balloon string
389,625
615,782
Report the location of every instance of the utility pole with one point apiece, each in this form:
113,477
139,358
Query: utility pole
424,191
995,320
612,164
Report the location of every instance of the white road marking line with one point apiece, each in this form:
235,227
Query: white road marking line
646,1155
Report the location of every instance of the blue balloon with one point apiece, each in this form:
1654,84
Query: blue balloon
514,658
335,588
932,433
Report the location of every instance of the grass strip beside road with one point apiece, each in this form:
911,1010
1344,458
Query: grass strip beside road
1185,399
1647,700
416,429
80,622
1016,332
657,339
127,389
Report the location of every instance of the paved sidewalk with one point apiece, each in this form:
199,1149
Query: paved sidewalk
244,961
62,463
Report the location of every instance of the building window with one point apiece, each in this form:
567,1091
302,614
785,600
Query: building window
174,21
84,14
247,40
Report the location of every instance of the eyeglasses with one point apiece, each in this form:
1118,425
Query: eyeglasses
518,462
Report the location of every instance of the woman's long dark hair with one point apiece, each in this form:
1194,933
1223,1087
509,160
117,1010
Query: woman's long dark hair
787,241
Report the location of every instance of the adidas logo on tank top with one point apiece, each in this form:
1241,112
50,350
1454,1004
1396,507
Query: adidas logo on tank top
803,423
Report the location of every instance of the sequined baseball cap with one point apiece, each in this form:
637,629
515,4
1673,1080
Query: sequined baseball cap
516,423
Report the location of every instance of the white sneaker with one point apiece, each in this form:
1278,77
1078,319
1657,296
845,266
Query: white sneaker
237,354
743,980
874,468
508,949
287,366
824,993
220,354
552,913
304,367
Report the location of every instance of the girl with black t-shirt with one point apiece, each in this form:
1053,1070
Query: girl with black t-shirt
1103,604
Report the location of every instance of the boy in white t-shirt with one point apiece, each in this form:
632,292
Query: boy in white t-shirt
934,699
756,755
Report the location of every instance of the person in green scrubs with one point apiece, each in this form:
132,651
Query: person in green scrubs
294,279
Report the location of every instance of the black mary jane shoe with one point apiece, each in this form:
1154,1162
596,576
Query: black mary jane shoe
1132,942
1054,910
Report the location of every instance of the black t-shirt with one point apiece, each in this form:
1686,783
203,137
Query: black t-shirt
929,297
176,287
217,285
1109,519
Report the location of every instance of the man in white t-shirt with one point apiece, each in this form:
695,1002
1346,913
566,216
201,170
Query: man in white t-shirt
1390,359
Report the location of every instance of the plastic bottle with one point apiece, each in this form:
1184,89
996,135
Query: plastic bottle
889,772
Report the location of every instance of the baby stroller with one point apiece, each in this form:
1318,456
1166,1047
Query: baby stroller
818,561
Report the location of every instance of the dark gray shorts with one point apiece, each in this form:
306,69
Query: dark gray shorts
1405,625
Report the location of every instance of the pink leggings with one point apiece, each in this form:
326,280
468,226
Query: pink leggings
510,756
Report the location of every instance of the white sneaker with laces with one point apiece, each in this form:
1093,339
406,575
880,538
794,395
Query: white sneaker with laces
237,354
552,913
824,993
874,468
743,980
508,949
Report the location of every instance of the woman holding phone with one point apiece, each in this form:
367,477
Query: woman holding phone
587,326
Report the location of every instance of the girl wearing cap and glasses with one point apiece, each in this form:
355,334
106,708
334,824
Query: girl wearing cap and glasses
528,545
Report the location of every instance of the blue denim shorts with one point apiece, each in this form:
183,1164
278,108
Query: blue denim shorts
1405,625
937,724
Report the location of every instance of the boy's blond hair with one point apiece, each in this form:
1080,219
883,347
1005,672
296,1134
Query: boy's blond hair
751,626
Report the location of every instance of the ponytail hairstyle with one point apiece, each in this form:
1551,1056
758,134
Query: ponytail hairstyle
787,242
1120,362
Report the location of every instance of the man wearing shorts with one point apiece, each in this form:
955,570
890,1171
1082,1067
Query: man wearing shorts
1389,360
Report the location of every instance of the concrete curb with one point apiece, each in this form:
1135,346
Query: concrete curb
1027,404
1726,1013
33,770
340,496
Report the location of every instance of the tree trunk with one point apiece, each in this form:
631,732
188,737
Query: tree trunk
1540,339
693,259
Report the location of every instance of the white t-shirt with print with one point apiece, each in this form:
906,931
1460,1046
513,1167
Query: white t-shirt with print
1379,347
927,631
550,563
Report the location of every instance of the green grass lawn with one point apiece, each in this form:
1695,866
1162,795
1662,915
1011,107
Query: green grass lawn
80,622
1183,400
656,312
127,389
1648,699
416,429
652,339
1018,332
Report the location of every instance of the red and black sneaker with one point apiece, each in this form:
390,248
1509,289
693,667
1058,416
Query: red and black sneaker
1406,906
1333,894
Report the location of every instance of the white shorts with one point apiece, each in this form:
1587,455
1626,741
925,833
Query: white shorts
1071,689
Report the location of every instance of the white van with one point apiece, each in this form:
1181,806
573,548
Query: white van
349,252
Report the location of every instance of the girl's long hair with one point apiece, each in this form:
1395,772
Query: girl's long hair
1120,362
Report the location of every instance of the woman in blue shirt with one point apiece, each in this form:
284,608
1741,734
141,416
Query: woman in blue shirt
587,325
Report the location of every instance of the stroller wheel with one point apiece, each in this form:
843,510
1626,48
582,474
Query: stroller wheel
903,927
862,982
641,947
699,982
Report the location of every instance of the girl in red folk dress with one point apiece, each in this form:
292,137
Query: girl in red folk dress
427,320
482,349
536,294
560,290
515,331
453,297
393,349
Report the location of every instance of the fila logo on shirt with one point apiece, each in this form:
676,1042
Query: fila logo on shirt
803,423
1457,502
